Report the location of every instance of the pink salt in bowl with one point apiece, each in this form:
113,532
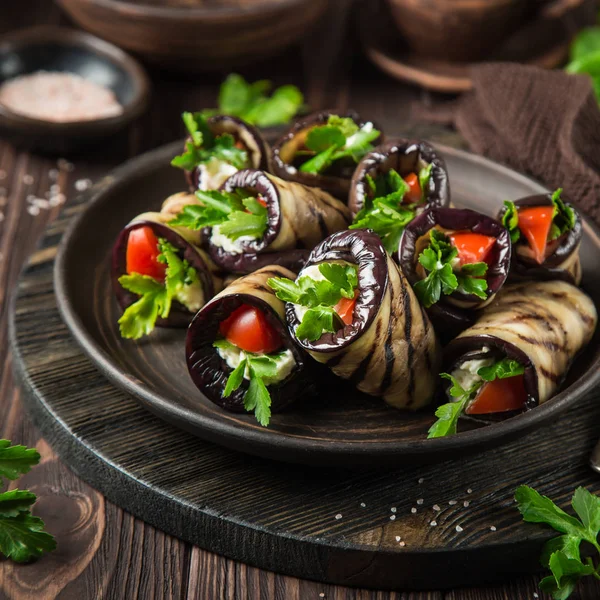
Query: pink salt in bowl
73,55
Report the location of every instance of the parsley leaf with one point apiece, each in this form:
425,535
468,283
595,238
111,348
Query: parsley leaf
339,138
502,369
320,297
16,460
204,146
252,222
250,101
15,502
439,261
563,218
510,220
156,298
561,554
424,177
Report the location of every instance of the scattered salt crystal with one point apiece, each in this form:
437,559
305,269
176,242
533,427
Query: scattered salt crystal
3,200
30,198
393,509
363,505
322,595
54,188
33,210
65,165
41,203
466,503
27,179
469,491
392,517
452,502
433,523
421,480
459,529
436,507
1,217
420,501
83,184
403,544
398,538
492,528
58,199
2,174
53,174
535,595
413,510
338,516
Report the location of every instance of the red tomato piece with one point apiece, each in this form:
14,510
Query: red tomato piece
142,253
248,329
413,196
472,247
345,308
535,223
262,201
500,395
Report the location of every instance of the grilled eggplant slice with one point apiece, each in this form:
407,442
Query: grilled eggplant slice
386,345
208,280
289,154
210,367
407,158
545,259
298,218
211,176
543,325
471,248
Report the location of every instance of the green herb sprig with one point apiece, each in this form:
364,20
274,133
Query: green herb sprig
340,138
561,555
383,211
320,297
236,213
203,146
585,56
156,297
438,261
252,103
262,370
448,414
22,536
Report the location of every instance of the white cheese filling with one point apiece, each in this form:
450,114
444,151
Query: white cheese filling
229,245
366,128
466,373
191,296
214,173
233,356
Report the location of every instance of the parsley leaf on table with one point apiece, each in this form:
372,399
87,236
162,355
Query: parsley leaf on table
16,460
21,534
438,261
510,220
561,555
251,102
339,138
585,56
320,297
204,146
156,298
449,413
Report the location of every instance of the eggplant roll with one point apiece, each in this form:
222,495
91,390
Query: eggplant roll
187,304
386,347
211,175
542,325
289,153
210,367
408,158
467,237
556,258
298,218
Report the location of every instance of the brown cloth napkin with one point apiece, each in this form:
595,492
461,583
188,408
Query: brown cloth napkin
545,123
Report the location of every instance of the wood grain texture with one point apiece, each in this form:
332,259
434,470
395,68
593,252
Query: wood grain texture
134,560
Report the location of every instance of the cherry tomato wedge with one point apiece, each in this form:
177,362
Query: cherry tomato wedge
248,329
472,247
345,308
413,196
261,200
142,252
500,395
535,223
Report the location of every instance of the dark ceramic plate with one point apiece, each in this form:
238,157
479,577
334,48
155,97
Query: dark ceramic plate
340,427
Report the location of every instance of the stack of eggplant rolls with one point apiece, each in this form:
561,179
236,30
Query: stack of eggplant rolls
337,249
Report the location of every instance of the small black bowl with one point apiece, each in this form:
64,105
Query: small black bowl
50,48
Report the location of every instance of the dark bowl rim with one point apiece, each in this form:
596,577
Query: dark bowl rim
257,441
176,13
68,37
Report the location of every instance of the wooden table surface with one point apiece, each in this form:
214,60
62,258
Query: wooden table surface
104,552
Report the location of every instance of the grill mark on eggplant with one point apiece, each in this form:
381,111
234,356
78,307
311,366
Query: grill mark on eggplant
334,361
260,287
549,375
390,359
534,342
322,224
359,373
410,389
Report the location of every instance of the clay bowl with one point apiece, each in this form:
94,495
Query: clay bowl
49,48
457,30
198,36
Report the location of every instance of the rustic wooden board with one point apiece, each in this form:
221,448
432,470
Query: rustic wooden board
307,522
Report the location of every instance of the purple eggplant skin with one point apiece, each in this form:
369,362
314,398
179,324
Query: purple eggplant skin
448,319
284,149
522,268
179,316
248,134
402,156
464,348
362,247
210,372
